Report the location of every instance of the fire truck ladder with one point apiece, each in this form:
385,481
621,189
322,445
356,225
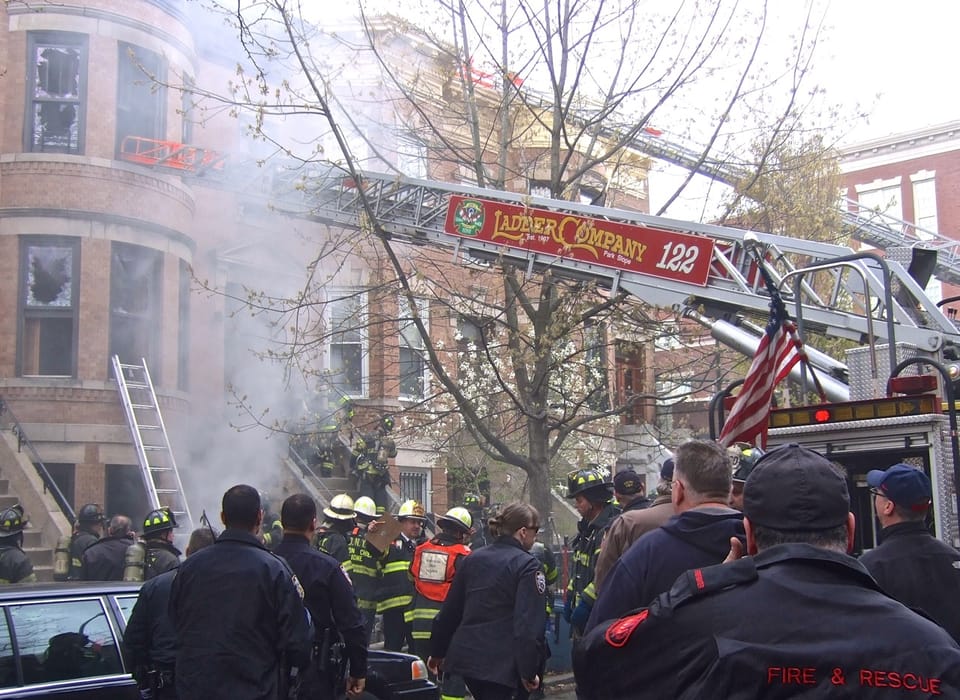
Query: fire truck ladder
875,228
855,305
157,465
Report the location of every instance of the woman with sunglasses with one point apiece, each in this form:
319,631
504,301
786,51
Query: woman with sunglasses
490,629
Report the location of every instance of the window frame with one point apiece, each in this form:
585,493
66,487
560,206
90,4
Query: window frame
403,324
359,298
64,39
123,100
26,313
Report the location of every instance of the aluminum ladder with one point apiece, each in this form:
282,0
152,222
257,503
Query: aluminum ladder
157,464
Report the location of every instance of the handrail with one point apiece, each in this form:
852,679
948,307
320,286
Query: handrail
24,442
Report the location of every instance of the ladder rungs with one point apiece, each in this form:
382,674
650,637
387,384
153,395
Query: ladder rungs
137,385
161,469
154,448
148,427
167,491
143,406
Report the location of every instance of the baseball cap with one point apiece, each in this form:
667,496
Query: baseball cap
793,488
905,486
666,469
627,482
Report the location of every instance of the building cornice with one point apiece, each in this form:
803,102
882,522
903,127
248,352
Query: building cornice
897,148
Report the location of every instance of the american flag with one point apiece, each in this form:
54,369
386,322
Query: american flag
776,356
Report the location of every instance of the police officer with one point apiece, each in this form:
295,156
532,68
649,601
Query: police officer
160,554
798,618
364,563
591,492
89,529
104,559
490,628
332,536
329,597
149,636
238,613
15,566
434,565
396,586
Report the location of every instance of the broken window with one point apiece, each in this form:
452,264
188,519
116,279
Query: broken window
348,344
57,74
141,96
48,306
135,277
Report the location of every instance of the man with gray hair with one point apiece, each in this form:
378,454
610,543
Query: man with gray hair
103,560
800,617
698,534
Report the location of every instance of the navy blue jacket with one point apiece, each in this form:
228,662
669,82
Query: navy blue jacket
329,597
794,621
920,571
240,621
149,635
103,560
699,537
491,625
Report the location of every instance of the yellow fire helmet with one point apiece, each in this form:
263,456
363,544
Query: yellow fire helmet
458,517
410,509
340,508
365,507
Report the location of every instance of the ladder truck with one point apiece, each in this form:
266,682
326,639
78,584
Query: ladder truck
871,418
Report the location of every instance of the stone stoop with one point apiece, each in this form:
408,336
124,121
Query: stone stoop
40,555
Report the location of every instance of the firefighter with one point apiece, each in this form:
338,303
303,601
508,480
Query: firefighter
339,637
592,494
481,533
149,636
15,566
744,457
271,531
434,565
490,629
104,559
396,587
364,563
339,522
89,529
372,453
160,555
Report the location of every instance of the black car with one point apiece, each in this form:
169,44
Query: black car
63,640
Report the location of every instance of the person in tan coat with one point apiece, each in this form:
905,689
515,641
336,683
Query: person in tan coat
632,523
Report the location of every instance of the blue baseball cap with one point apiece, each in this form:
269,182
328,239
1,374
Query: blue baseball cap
906,486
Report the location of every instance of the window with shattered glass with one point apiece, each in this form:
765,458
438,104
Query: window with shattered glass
135,281
47,343
57,79
348,343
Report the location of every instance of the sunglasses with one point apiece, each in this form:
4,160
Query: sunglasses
535,528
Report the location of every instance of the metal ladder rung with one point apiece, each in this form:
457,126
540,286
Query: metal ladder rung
143,406
161,469
167,491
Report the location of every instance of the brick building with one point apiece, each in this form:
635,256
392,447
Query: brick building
104,251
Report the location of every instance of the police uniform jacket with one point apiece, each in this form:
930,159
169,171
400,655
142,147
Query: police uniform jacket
627,529
78,545
161,556
794,621
15,565
491,626
149,636
328,595
920,571
238,613
103,560
698,537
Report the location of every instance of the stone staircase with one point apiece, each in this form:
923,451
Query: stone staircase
40,555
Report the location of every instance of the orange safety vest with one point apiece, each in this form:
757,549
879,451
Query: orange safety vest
433,568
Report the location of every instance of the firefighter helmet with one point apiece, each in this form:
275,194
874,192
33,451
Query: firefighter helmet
91,513
11,522
592,478
471,500
387,423
365,508
159,520
341,508
746,461
410,509
457,517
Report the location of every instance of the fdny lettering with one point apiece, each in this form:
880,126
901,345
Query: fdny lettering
873,678
791,675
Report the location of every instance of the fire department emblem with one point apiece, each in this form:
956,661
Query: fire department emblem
541,583
468,218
